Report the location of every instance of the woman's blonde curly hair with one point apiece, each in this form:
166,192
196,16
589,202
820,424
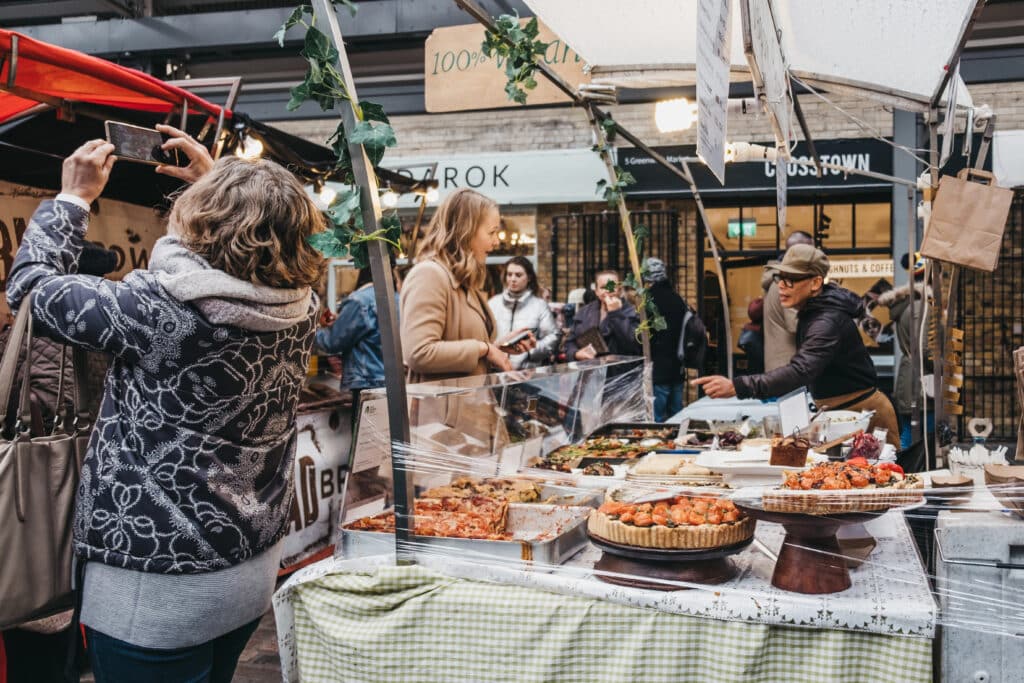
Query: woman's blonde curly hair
251,219
450,233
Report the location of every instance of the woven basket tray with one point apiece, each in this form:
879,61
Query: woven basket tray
839,502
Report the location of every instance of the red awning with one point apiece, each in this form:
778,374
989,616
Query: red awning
56,72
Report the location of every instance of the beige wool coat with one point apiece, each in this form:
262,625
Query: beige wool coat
442,325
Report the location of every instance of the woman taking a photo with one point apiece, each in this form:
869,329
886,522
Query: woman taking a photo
521,305
187,479
448,329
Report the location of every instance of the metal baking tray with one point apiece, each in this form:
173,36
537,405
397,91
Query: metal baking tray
545,534
620,430
554,495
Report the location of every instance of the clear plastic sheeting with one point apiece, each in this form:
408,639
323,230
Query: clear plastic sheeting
851,545
488,425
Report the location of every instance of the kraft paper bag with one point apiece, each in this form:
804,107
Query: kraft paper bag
968,220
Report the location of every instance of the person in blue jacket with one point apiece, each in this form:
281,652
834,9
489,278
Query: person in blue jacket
355,336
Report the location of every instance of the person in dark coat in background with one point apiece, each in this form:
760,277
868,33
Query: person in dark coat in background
779,323
831,359
616,320
752,337
668,369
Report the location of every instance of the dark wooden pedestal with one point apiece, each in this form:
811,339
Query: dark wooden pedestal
708,566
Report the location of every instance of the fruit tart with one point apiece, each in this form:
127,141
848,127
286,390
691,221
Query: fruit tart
838,487
679,523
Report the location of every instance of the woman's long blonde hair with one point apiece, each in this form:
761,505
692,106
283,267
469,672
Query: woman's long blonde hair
450,232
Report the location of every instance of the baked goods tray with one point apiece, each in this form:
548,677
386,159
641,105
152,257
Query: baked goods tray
624,430
544,534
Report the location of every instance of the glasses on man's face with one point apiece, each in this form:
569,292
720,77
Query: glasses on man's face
789,280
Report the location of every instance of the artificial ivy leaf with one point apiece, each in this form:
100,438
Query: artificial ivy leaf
294,18
318,46
299,94
641,231
328,244
624,177
658,322
315,73
352,7
345,207
375,134
530,83
611,286
373,112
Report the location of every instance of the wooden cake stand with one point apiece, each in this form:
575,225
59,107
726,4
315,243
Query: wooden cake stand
708,566
811,560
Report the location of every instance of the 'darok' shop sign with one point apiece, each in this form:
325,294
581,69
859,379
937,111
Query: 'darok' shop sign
458,77
545,177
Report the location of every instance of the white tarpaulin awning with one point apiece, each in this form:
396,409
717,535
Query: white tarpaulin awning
1008,157
894,50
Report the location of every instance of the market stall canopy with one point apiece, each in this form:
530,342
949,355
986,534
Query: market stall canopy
55,74
894,51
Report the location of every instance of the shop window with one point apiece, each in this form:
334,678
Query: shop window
835,226
873,225
725,226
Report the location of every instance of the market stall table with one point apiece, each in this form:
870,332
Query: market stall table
456,619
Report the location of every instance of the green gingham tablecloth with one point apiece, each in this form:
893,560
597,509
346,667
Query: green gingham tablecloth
368,620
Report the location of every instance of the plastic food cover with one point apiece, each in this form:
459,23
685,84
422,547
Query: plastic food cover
895,562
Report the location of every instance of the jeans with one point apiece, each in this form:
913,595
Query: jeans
115,661
668,400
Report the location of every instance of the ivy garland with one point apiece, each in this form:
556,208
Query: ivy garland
323,83
516,46
613,192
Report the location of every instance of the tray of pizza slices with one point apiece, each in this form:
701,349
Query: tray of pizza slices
541,533
830,488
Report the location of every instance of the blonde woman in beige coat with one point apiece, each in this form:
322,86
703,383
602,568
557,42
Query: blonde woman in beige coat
447,326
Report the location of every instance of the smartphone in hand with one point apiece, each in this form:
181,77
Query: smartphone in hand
142,145
509,345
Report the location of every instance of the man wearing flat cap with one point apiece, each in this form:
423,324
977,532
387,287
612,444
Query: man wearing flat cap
831,359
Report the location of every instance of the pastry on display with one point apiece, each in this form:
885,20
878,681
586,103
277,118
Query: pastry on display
474,517
599,469
837,487
512,490
790,451
681,523
668,465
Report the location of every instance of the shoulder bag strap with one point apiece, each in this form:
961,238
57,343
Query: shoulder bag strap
25,407
59,411
9,364
79,365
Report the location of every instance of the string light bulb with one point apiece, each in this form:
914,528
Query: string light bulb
250,149
327,195
674,115
389,199
433,194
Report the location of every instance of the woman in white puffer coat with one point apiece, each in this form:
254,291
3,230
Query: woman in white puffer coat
520,307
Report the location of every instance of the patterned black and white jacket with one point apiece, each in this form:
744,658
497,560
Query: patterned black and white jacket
189,466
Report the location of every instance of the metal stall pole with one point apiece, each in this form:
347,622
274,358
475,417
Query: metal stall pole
726,318
384,294
626,225
933,158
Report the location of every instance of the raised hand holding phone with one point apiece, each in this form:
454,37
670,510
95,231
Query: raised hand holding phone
199,159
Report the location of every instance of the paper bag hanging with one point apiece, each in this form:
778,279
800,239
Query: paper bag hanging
967,222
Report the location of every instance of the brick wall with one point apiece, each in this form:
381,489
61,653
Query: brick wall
547,128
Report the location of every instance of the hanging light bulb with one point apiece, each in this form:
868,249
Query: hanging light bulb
433,194
389,199
501,235
327,195
674,115
250,149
